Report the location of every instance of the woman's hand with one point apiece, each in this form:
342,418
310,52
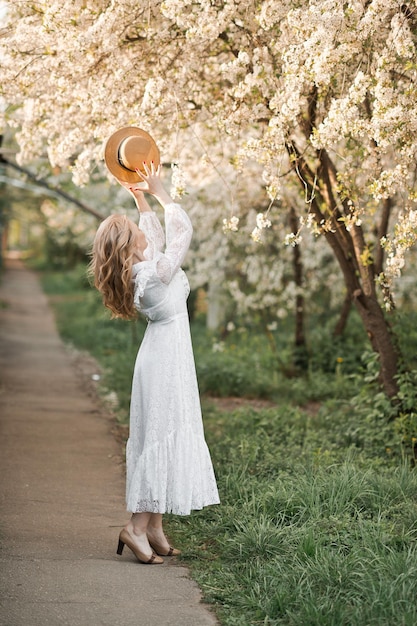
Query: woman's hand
150,183
137,192
133,188
151,178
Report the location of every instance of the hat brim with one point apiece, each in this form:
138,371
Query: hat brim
111,152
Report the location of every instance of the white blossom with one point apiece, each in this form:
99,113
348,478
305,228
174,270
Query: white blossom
231,224
178,181
293,239
262,221
256,235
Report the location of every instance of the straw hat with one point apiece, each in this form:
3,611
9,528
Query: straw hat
126,150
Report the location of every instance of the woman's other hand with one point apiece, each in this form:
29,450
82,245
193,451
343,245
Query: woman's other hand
136,189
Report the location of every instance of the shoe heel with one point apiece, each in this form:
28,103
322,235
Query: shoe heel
120,547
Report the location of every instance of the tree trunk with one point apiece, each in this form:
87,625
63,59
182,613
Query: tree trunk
339,329
382,341
362,292
382,231
350,250
218,306
300,352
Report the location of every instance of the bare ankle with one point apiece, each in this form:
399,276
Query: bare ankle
135,530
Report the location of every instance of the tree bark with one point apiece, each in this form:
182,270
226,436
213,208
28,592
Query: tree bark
382,341
349,248
382,231
301,353
339,329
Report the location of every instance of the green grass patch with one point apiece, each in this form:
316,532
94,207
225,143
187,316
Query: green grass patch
313,528
318,518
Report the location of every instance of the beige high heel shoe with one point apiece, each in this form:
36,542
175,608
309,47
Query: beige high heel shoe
125,539
160,550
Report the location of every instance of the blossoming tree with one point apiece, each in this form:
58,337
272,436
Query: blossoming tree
318,94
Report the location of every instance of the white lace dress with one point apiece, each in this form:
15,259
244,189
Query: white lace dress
169,469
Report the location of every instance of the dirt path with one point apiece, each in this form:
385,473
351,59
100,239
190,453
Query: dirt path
62,490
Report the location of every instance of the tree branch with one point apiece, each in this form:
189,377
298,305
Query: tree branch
345,255
57,190
382,231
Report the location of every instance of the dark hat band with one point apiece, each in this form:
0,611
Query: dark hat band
119,158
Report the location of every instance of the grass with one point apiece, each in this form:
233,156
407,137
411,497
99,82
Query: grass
318,517
310,531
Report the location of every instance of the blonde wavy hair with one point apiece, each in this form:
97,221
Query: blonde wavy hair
111,264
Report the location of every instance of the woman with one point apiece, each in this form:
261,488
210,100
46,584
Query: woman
167,460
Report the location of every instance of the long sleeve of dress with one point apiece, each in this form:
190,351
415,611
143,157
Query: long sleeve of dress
179,231
151,227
